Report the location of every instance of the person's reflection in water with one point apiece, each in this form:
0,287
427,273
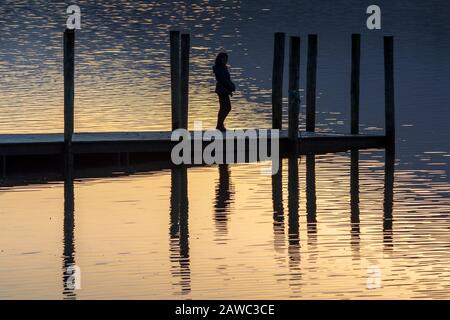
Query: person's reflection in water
69,275
354,202
224,197
388,196
179,228
278,210
293,223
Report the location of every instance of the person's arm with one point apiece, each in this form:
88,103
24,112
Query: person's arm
233,87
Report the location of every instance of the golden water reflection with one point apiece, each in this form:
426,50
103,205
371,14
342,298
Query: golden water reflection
311,231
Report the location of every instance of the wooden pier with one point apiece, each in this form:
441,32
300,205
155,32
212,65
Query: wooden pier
160,142
14,147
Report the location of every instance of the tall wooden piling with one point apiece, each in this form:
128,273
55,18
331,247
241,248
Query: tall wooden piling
354,90
277,80
311,75
389,88
185,50
294,95
175,78
69,85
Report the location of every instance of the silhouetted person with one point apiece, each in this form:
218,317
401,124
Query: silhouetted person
224,88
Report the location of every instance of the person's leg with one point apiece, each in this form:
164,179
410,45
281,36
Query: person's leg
225,108
220,118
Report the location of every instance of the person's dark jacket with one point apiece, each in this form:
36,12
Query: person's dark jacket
224,84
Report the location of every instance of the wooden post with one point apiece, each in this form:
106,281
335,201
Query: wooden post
184,110
294,96
354,91
175,77
277,80
69,85
311,74
389,88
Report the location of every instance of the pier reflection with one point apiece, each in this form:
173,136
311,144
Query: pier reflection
311,205
389,165
278,210
179,229
286,230
354,202
293,237
293,223
70,273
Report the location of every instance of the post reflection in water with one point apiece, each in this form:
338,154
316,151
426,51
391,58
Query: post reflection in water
311,206
179,228
224,197
69,225
388,196
293,221
278,209
354,201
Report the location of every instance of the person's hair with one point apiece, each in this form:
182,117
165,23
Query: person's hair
220,56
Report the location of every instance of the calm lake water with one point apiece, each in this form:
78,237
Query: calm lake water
235,233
